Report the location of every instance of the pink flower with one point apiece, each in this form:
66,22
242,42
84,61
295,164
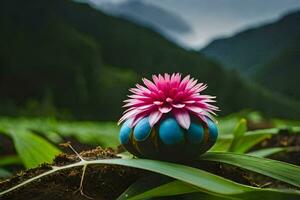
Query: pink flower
168,95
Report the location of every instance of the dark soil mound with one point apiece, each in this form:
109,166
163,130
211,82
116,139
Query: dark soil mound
100,182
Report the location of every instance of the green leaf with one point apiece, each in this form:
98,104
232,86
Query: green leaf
278,170
273,150
180,188
198,179
4,173
245,143
103,134
10,160
249,140
201,180
191,192
168,189
32,149
223,143
144,184
238,133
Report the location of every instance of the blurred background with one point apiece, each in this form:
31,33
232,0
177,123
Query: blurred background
77,59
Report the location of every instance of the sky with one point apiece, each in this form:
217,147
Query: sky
211,19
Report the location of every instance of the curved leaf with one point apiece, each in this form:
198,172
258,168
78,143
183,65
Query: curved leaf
278,170
238,133
201,180
33,149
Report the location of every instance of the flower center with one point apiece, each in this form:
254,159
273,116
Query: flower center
169,100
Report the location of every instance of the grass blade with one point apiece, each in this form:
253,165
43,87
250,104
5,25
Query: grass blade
278,170
238,133
273,150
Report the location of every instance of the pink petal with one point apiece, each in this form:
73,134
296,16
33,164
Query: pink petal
128,115
169,100
149,84
191,83
136,119
158,103
154,117
143,89
178,105
155,79
189,102
195,109
183,118
167,77
145,107
165,109
184,82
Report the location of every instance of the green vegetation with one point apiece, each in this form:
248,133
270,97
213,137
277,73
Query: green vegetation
281,73
43,135
75,62
63,63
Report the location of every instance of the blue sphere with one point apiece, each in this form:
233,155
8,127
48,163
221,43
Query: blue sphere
167,140
125,132
142,130
170,133
195,134
213,130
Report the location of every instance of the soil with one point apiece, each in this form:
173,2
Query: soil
105,182
100,182
283,139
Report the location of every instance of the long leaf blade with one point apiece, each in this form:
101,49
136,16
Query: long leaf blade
279,170
33,149
190,192
238,133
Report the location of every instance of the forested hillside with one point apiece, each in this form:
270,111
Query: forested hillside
251,49
63,58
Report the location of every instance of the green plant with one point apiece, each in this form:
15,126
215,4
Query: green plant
29,135
190,179
170,178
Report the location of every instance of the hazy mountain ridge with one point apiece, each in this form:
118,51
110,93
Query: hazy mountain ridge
163,21
63,58
249,50
268,54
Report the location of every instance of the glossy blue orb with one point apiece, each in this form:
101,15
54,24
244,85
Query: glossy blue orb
125,133
170,133
195,134
213,130
167,140
142,130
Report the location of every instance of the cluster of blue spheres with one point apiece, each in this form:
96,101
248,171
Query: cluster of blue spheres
167,140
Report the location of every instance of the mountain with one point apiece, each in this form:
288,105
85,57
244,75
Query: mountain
70,60
268,54
282,72
145,14
250,50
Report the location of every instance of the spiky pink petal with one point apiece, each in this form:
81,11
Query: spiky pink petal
168,94
154,117
183,118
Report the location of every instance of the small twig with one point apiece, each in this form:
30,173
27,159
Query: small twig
68,144
80,189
